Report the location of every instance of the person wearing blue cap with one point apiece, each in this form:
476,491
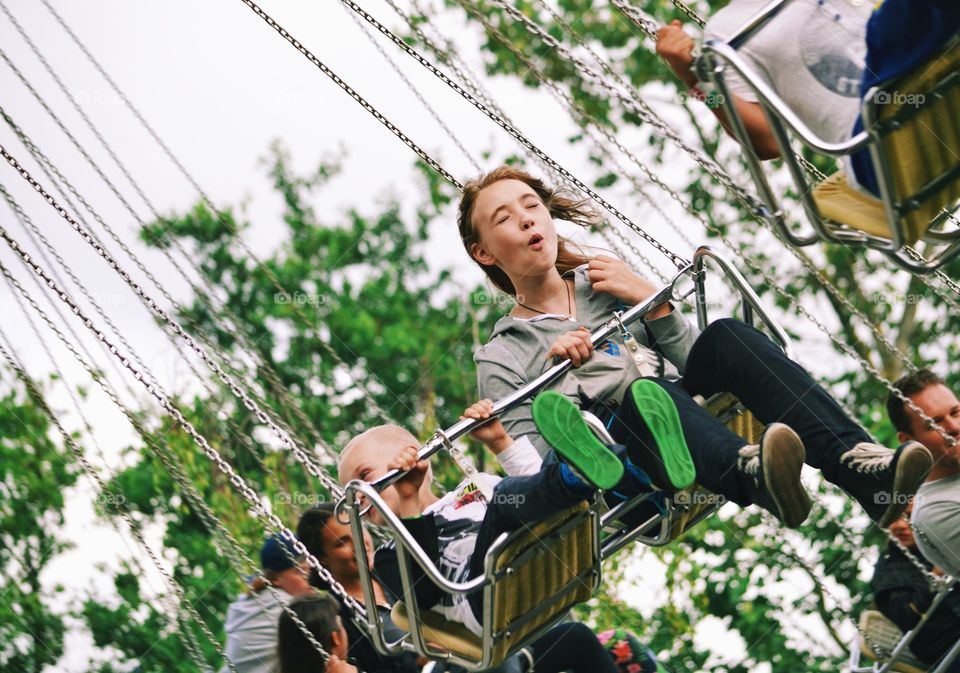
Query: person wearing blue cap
251,622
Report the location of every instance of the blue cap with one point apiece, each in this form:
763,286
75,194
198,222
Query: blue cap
278,554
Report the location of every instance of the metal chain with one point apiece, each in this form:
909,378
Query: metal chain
711,167
88,468
237,481
638,17
932,579
209,202
190,492
325,479
413,89
580,114
17,364
208,342
632,101
675,259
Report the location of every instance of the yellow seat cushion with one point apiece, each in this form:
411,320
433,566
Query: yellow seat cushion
883,633
841,203
450,635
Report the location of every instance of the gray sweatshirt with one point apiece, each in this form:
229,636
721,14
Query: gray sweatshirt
517,349
936,517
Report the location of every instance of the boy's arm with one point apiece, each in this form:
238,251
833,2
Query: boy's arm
518,457
676,48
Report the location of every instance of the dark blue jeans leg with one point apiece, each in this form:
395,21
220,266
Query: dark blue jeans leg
713,447
519,502
730,356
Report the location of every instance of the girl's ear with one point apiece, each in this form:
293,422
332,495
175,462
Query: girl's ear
480,254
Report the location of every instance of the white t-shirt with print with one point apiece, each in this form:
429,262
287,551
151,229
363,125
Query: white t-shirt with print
812,55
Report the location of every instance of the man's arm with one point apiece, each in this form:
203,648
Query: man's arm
676,48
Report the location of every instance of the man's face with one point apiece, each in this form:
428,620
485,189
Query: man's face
939,403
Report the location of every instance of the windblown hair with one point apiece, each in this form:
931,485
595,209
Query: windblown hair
560,204
909,385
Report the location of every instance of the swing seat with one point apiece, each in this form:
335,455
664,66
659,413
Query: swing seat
880,637
912,134
535,575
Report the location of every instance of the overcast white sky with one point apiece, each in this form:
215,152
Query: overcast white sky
219,85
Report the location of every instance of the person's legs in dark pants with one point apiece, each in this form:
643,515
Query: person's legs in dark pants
571,646
731,356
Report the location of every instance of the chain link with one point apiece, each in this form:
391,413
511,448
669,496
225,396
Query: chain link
638,17
39,401
227,380
237,481
375,408
675,259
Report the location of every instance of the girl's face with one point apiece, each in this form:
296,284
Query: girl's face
514,229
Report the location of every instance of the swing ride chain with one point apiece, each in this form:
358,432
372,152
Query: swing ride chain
206,199
678,261
319,473
189,490
351,92
935,581
631,100
711,167
638,17
564,99
91,472
235,479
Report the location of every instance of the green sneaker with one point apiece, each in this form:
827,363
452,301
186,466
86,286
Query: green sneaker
561,424
668,464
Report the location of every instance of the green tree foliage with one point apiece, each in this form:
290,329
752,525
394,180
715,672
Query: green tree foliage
35,472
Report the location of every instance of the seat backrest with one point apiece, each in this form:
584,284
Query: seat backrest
919,124
541,572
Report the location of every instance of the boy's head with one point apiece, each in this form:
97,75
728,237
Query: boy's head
319,612
367,455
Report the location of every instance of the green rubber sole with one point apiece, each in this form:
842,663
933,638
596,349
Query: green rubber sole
561,424
661,416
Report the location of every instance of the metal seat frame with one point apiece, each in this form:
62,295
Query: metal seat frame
361,496
717,56
888,664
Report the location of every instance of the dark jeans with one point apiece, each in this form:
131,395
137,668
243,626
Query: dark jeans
731,356
519,502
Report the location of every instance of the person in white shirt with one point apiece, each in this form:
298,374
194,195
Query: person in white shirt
936,511
251,622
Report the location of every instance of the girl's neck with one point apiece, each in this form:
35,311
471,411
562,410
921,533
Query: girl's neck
547,293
